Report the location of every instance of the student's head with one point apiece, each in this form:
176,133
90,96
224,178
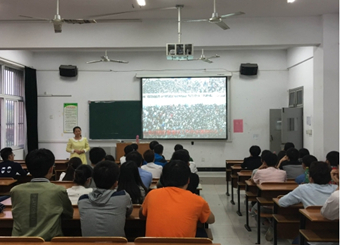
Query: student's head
280,155
136,157
303,152
82,175
255,150
153,144
270,159
40,163
288,145
109,158
176,173
333,158
105,175
264,152
307,160
6,153
128,149
149,156
77,131
292,154
178,147
182,155
72,165
97,154
320,173
134,146
158,149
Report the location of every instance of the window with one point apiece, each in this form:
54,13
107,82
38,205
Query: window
296,97
12,109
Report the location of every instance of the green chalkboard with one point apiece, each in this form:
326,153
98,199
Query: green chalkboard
115,119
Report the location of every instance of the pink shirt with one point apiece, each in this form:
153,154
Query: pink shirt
270,174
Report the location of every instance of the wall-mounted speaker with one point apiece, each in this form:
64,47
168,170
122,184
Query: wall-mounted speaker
68,71
248,69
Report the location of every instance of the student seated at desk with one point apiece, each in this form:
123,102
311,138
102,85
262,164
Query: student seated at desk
332,158
330,209
254,161
154,169
290,163
145,176
38,206
127,150
72,165
263,166
173,211
104,204
159,158
303,152
9,168
130,181
96,155
153,144
306,162
82,179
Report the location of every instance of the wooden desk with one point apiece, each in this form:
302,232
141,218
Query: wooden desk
6,185
82,243
268,191
315,228
228,164
234,169
251,194
286,221
60,166
242,176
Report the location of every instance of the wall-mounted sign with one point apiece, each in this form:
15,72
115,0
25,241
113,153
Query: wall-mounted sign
70,117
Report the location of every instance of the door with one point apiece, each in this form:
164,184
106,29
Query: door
292,126
275,130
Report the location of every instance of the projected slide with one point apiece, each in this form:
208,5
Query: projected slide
184,108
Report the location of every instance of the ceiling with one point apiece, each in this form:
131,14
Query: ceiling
193,9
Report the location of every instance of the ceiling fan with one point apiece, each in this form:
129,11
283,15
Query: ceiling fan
106,58
216,19
58,21
206,59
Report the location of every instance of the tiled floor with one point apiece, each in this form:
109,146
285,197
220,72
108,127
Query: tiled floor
228,228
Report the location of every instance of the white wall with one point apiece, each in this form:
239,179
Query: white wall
22,57
250,100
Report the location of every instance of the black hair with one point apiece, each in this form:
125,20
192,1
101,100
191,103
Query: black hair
303,152
82,174
288,145
136,157
72,165
39,162
74,129
158,149
292,154
176,173
105,174
128,149
96,155
333,158
270,159
134,146
178,147
307,160
255,150
153,144
5,153
130,181
109,158
320,172
182,155
280,155
149,156
264,152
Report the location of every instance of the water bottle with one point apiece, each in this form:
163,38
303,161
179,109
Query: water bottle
137,139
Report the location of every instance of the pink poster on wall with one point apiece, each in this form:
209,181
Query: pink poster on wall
238,126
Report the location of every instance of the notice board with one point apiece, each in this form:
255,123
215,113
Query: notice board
115,119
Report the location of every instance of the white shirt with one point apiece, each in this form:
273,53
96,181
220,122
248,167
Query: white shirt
122,159
330,210
154,169
62,175
193,167
76,191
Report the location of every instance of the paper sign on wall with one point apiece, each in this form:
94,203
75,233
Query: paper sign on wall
70,117
238,126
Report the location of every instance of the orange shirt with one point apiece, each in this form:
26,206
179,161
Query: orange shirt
173,212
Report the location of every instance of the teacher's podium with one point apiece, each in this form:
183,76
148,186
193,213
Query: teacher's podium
142,147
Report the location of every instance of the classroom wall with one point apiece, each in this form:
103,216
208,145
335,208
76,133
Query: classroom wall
250,97
23,57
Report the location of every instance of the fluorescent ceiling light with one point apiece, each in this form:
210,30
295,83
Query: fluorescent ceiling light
290,1
141,2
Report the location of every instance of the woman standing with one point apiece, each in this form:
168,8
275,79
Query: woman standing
78,145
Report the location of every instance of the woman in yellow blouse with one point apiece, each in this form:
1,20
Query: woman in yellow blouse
78,145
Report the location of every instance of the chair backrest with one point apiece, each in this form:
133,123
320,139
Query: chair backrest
21,239
172,240
109,239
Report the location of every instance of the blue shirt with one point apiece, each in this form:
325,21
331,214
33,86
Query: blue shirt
300,179
159,160
146,177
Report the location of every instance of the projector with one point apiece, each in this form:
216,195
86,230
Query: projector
179,51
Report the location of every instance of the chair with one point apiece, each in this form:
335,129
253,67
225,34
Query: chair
108,239
9,239
173,240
